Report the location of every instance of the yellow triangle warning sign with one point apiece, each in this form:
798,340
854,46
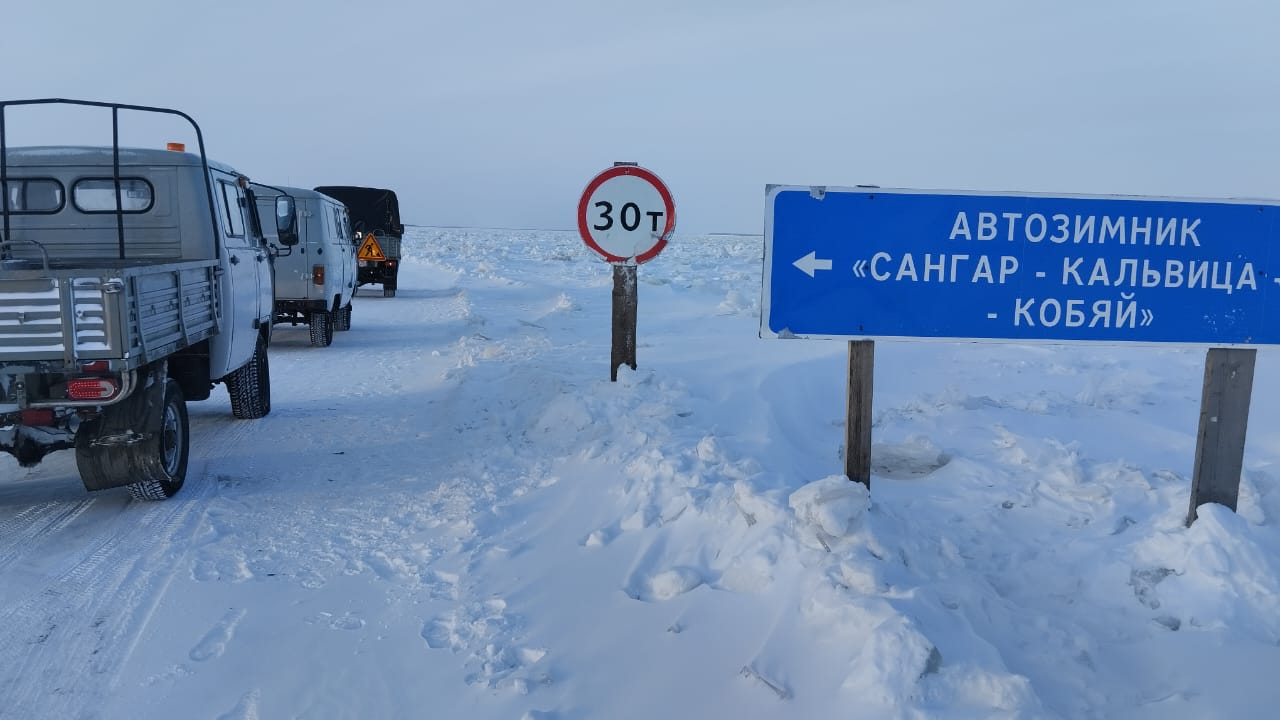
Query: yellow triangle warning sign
370,250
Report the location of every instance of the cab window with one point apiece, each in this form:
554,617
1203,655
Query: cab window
231,201
327,218
344,226
98,195
34,196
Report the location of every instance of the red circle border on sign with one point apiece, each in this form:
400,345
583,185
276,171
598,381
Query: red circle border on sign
647,176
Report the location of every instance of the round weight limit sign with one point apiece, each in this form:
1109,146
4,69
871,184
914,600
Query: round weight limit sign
626,215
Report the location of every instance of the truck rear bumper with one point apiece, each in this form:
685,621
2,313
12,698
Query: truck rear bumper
372,271
32,391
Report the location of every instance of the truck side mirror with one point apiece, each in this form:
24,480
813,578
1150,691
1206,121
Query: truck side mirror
286,221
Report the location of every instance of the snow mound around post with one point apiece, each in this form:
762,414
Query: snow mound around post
829,509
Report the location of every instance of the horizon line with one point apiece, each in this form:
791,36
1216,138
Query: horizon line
539,229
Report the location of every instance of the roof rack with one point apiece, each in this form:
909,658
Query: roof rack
115,162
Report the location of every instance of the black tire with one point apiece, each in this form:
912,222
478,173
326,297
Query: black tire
343,322
161,460
388,291
321,328
153,468
250,385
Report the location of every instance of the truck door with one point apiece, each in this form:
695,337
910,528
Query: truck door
244,263
264,262
347,242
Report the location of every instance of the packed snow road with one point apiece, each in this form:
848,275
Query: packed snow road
368,462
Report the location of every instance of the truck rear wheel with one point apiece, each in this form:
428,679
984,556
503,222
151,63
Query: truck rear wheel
250,385
161,460
344,319
389,290
321,328
156,465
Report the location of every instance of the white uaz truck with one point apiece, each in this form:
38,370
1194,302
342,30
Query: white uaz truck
315,259
131,281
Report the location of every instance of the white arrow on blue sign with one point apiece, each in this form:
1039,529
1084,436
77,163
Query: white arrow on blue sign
861,263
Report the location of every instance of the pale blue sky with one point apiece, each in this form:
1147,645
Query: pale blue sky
495,113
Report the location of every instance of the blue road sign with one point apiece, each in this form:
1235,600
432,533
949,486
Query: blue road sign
882,263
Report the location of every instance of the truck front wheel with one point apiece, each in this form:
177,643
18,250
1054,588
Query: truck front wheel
250,385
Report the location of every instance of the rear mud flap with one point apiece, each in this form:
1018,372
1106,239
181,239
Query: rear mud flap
126,423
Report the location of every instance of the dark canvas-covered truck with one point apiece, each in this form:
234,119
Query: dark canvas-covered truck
375,215
131,281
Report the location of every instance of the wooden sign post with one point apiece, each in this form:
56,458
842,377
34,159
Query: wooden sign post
625,301
1224,418
857,425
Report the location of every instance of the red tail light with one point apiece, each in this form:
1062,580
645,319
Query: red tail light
317,274
92,388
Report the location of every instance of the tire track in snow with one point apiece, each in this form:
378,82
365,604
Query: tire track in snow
95,603
28,527
87,610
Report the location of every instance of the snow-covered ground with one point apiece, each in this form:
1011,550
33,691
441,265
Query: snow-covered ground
452,513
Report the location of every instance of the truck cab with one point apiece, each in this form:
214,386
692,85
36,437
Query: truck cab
131,281
315,255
